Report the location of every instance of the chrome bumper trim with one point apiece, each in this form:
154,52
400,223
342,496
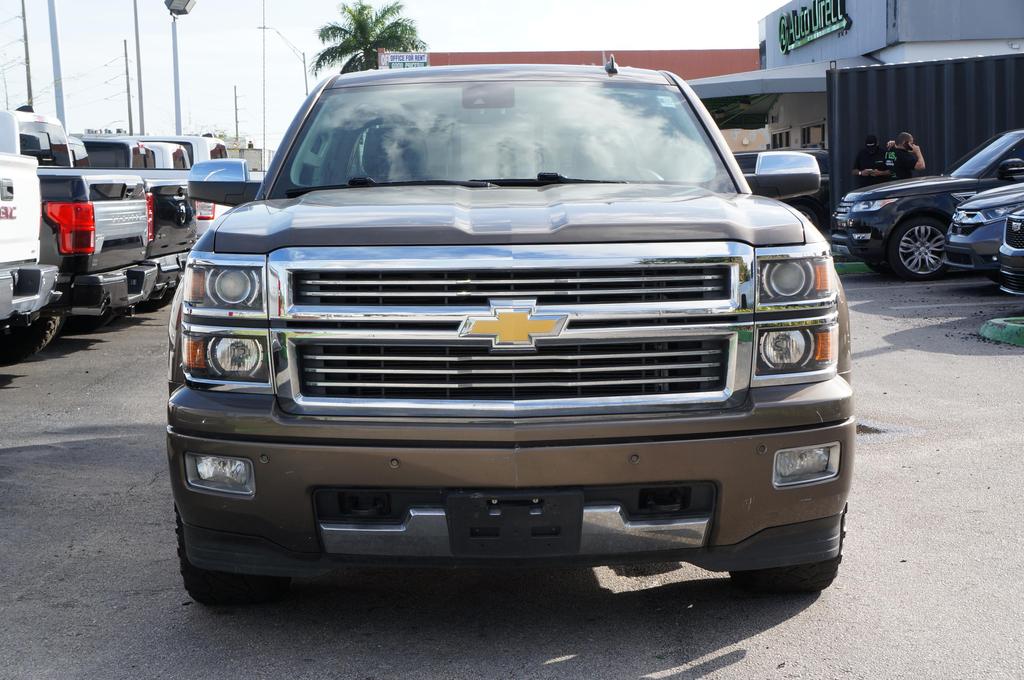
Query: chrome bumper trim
424,533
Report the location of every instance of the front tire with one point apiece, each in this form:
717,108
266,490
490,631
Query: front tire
20,342
218,588
916,249
801,578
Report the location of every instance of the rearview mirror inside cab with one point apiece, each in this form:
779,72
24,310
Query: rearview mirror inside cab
785,174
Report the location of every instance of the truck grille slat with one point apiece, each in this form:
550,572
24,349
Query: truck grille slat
676,366
1014,239
393,331
428,287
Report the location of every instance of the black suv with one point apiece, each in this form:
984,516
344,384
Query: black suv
902,225
814,207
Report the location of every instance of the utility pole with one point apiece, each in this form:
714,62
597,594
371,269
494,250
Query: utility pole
58,81
128,90
28,67
7,101
138,68
236,116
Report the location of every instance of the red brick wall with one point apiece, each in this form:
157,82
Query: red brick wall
689,64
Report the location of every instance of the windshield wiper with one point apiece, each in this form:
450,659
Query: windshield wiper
546,178
371,182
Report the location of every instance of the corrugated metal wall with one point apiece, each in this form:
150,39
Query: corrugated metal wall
949,106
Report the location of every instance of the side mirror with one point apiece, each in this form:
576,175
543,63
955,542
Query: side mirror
785,174
224,181
1011,170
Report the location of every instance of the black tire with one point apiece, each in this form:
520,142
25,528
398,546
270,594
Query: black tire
218,588
18,343
916,248
88,324
801,578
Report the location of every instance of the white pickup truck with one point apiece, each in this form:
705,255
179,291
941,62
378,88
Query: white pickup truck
26,287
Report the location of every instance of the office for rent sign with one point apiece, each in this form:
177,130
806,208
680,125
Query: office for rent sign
405,60
810,22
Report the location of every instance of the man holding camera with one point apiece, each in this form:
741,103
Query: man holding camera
903,157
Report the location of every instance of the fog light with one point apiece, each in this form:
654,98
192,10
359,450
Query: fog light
220,473
806,465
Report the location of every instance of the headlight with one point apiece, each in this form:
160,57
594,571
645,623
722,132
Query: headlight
221,285
787,280
225,355
786,350
996,213
871,206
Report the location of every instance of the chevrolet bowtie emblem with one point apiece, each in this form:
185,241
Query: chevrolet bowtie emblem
513,325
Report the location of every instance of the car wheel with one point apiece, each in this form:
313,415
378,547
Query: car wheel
801,578
217,588
916,250
21,342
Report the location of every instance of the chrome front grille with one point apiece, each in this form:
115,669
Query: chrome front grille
380,331
652,283
1015,233
553,371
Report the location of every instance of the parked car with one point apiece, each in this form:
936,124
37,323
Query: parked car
130,152
199,148
26,287
538,345
974,237
1011,255
817,206
163,166
902,225
95,225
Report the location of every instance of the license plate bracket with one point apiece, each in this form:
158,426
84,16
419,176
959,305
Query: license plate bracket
515,524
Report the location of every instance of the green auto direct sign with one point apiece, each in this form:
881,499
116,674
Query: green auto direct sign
806,24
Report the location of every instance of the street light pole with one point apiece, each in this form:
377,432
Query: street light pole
177,82
58,81
138,68
295,50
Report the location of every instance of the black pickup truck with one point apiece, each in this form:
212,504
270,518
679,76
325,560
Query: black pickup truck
902,225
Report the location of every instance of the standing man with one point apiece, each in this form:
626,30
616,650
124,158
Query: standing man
869,167
903,157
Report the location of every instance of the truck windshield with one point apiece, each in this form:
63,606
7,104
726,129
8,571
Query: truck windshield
496,131
981,159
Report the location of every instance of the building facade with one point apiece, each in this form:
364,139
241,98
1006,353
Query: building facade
803,39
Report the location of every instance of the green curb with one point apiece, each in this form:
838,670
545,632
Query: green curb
853,268
1010,331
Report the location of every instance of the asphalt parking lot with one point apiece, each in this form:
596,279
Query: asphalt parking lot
930,584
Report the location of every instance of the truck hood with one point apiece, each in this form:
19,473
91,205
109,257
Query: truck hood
995,198
453,215
915,186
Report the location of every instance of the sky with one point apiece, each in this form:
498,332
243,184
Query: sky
220,48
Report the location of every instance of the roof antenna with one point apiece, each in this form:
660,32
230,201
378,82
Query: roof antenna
610,66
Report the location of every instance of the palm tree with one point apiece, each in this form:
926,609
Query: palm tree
355,40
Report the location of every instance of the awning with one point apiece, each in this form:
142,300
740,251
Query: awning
773,81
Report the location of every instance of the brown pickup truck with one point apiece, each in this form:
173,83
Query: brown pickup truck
508,316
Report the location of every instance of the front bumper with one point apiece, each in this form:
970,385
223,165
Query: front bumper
24,291
976,251
861,235
278,530
1011,270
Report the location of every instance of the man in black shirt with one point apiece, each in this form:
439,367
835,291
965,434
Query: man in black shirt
903,157
869,167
